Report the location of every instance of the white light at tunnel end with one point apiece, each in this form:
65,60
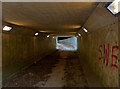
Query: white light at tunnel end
85,29
48,36
7,28
36,34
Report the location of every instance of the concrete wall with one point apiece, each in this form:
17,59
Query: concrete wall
99,48
0,58
21,49
119,45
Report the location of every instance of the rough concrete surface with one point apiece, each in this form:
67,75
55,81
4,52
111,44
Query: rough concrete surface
62,69
20,51
99,48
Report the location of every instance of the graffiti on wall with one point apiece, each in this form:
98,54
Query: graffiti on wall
104,52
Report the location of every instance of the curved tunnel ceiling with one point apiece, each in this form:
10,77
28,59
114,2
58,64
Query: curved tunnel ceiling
47,16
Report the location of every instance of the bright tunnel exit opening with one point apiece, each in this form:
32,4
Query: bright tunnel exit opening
66,43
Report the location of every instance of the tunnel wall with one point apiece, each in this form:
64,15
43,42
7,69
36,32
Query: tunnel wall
0,56
99,48
21,49
119,45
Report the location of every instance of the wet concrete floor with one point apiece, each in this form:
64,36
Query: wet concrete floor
61,69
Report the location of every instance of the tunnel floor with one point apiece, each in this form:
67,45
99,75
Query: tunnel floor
61,69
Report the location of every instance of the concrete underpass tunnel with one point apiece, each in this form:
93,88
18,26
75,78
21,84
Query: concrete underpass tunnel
60,44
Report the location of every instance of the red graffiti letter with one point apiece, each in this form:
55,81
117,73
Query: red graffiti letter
100,51
114,56
106,55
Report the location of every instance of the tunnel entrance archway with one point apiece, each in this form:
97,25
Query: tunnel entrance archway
66,43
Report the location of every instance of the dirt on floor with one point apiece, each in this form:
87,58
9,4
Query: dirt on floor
62,69
37,72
